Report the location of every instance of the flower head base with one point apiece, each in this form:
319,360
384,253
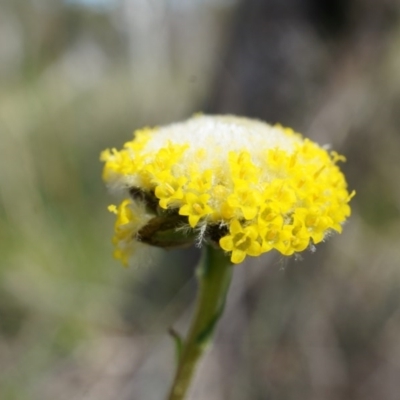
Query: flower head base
238,183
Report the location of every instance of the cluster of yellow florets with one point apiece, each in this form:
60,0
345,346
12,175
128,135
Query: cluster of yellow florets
247,190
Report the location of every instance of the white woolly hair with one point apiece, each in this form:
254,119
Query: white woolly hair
144,255
221,135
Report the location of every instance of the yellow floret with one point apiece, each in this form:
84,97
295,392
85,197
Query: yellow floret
170,192
241,241
130,217
195,208
275,235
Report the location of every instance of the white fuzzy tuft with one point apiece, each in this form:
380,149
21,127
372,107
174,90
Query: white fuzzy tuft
221,135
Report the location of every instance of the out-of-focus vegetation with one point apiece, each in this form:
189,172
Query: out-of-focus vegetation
75,79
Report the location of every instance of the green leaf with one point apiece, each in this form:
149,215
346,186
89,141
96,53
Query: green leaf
178,343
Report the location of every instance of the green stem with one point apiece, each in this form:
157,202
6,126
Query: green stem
214,276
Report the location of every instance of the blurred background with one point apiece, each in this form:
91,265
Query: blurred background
77,76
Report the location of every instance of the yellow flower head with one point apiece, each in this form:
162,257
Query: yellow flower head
240,184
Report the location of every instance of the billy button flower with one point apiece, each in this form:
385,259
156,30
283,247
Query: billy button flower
236,186
214,171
